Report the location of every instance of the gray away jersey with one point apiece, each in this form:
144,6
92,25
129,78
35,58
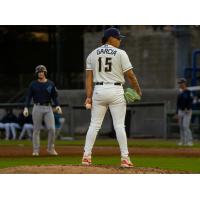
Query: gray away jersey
108,64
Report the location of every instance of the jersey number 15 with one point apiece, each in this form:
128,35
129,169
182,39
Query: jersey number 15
108,62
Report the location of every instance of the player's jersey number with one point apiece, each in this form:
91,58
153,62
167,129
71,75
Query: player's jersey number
108,63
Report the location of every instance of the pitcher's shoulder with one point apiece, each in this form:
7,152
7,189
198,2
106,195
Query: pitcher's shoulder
122,52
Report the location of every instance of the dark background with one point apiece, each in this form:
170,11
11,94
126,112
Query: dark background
61,50
23,47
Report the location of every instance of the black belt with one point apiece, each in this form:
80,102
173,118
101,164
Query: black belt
43,104
102,83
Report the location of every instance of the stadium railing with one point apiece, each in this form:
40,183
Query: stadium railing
70,114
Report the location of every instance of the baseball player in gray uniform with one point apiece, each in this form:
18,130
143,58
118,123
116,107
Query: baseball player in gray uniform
106,67
42,91
184,113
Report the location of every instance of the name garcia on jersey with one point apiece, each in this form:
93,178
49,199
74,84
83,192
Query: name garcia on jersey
106,51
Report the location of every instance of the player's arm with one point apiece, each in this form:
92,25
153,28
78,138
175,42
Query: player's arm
28,100
29,96
130,76
54,96
89,86
128,72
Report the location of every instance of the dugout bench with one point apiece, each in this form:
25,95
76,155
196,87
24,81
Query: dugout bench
141,117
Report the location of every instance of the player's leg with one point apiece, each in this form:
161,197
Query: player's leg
1,126
29,130
50,125
118,112
187,131
58,129
22,132
7,131
13,131
97,116
13,127
37,116
26,128
98,111
181,128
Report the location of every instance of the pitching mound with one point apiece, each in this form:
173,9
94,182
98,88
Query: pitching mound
78,169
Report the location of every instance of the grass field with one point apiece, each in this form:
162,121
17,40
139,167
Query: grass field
180,163
146,143
168,163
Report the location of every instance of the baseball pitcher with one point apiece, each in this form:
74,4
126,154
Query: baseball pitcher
42,91
106,68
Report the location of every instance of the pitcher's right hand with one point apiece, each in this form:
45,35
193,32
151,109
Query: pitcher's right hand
25,112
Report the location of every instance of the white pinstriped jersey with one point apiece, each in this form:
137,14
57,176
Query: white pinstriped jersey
108,64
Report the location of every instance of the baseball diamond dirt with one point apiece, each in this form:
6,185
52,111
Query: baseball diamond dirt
78,169
25,151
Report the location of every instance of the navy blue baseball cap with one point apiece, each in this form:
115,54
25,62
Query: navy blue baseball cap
182,80
112,32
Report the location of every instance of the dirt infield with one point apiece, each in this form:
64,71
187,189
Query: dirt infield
21,151
78,169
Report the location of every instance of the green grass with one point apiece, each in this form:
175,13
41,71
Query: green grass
169,163
146,143
29,161
191,164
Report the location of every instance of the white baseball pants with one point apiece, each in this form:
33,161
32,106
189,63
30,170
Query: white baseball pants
104,97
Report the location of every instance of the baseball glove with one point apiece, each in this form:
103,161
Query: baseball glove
131,95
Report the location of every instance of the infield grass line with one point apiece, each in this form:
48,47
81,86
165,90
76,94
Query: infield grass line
188,164
145,143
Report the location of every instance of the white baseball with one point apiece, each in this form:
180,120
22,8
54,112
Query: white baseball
88,106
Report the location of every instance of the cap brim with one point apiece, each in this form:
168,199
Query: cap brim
122,36
181,82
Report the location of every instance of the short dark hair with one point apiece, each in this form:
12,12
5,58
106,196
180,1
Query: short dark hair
104,40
